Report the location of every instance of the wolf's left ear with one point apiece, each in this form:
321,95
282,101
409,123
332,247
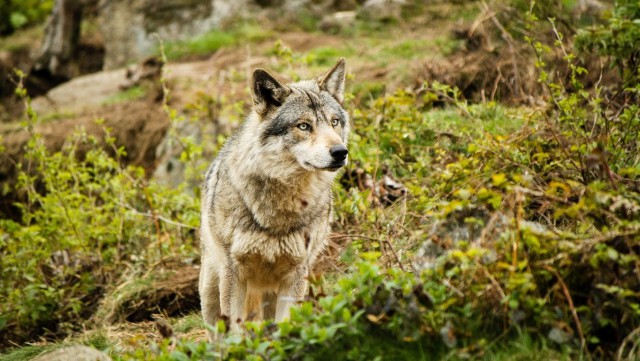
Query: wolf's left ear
267,91
333,81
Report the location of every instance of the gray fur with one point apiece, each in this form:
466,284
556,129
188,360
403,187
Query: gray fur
267,202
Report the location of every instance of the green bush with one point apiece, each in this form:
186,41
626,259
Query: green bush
16,14
619,38
87,219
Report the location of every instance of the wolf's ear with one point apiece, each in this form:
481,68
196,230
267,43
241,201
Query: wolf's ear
267,91
333,81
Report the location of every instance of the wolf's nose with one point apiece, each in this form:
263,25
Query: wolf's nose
338,152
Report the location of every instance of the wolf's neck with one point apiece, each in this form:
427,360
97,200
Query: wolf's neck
301,186
283,204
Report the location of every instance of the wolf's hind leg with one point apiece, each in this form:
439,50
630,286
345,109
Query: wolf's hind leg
209,296
269,305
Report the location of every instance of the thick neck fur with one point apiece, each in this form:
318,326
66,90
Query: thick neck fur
277,190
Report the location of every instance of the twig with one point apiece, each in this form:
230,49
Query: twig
153,214
540,194
623,345
589,243
157,217
486,228
509,39
452,287
381,241
518,218
165,220
565,290
494,282
394,254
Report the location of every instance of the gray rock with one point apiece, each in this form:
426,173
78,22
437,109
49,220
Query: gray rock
477,227
382,10
170,171
81,93
74,353
338,21
131,28
559,336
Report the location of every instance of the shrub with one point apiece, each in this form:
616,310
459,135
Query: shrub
86,221
619,38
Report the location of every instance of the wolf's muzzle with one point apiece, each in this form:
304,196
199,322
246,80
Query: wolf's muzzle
338,153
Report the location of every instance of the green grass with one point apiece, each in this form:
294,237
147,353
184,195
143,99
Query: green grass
326,56
94,339
57,116
98,340
241,33
488,117
407,49
525,348
366,90
133,93
28,352
188,323
22,40
201,45
118,300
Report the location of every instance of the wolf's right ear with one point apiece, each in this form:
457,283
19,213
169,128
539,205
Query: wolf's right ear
267,91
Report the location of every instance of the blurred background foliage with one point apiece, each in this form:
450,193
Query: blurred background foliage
18,14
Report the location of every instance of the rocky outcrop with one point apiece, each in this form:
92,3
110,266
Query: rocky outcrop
132,29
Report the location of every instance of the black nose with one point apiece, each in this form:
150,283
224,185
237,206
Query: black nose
338,152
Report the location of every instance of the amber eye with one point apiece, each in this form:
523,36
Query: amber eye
304,126
335,122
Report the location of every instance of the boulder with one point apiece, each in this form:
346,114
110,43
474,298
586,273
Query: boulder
382,10
338,21
131,29
76,353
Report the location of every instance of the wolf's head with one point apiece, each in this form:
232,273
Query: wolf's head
304,123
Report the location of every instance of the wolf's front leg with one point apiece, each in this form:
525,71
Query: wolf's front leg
291,291
232,295
209,296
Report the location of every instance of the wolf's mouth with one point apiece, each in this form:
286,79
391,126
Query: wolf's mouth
331,167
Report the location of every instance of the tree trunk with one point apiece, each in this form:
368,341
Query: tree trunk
6,28
54,58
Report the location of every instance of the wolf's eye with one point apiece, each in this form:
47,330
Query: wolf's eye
335,122
304,126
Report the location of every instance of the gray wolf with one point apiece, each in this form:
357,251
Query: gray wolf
267,200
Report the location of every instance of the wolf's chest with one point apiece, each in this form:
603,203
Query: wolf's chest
268,248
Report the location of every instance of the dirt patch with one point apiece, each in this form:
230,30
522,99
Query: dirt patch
302,42
485,71
172,291
488,69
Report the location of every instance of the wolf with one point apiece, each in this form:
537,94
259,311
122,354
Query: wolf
266,204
